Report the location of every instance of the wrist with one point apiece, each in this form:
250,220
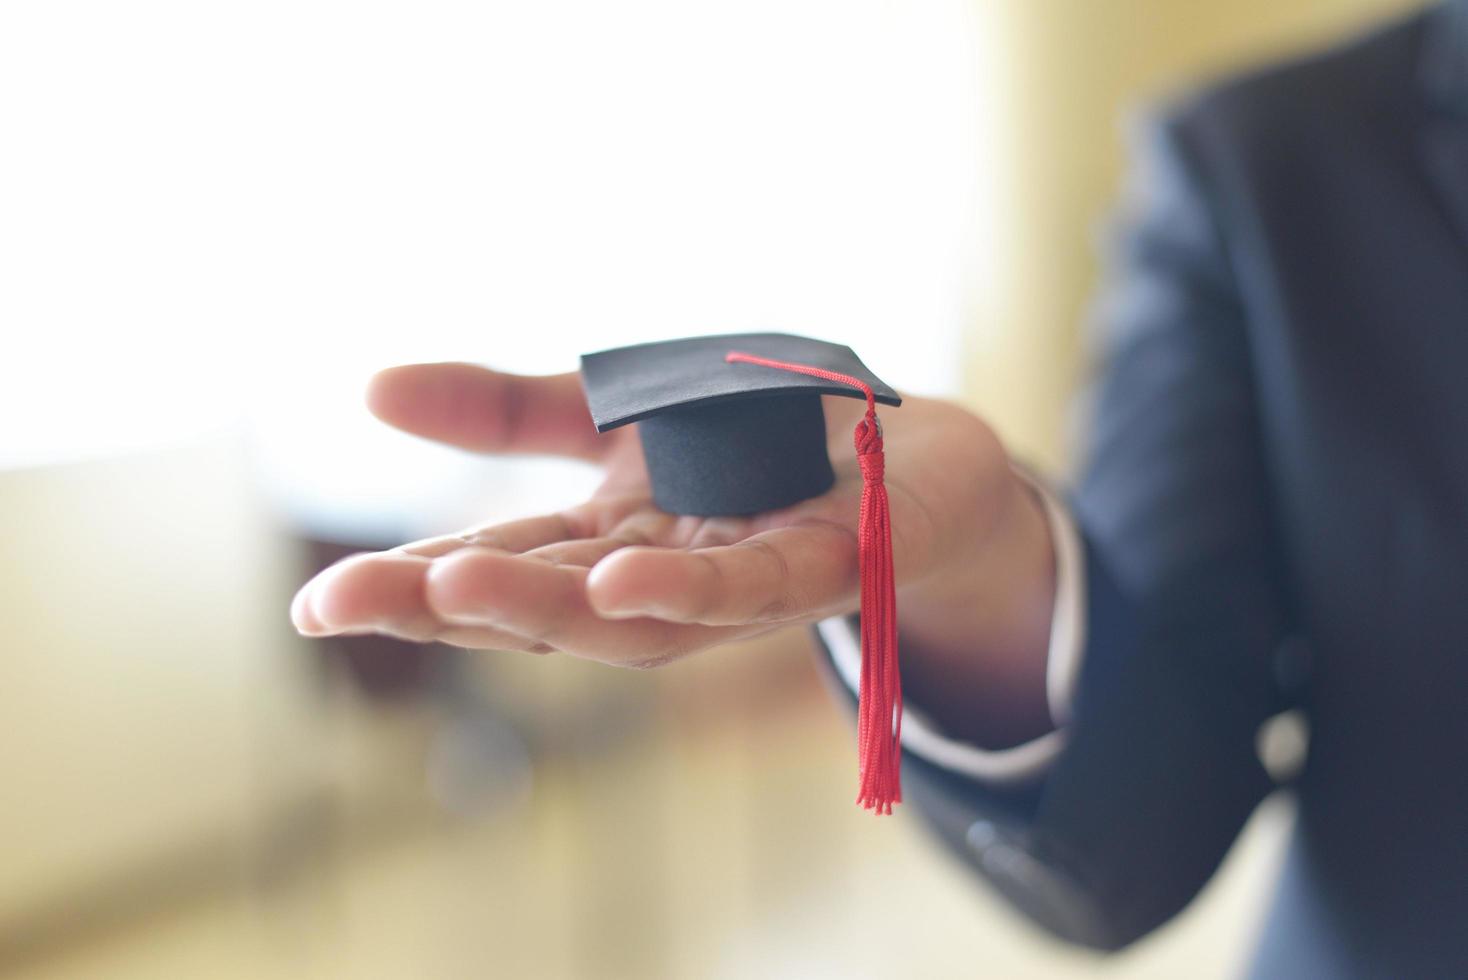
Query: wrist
975,634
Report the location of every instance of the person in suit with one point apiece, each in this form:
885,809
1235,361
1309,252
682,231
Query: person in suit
1273,513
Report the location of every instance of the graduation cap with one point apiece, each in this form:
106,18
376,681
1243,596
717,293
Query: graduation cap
733,425
727,438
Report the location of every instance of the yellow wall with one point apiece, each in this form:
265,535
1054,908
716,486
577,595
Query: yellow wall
1059,77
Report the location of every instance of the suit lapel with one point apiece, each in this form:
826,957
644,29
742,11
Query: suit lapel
1444,74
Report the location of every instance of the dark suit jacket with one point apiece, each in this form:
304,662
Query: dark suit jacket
1276,512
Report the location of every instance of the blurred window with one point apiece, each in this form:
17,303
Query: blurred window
218,214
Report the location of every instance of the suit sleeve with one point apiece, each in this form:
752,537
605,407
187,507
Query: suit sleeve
1184,599
923,737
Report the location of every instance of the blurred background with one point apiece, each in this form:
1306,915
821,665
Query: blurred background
217,219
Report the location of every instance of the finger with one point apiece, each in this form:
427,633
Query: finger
714,531
583,554
640,529
527,534
487,411
477,638
369,591
383,593
515,536
545,602
302,618
789,573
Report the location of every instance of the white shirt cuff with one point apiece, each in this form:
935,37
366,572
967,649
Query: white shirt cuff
923,738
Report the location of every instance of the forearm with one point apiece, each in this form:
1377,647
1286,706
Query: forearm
975,641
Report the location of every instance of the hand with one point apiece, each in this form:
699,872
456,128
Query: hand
616,580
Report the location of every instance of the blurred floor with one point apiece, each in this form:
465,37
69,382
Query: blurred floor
192,791
735,853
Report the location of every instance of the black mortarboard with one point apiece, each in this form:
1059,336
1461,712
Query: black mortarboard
724,439
734,425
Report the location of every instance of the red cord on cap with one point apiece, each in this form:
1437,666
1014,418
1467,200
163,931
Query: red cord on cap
879,699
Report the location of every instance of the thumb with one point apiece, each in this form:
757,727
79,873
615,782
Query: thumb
475,408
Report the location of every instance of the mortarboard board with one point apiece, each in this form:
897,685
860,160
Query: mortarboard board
726,439
733,425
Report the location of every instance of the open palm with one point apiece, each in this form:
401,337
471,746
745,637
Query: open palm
617,580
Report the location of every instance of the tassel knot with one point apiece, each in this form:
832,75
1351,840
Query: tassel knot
872,460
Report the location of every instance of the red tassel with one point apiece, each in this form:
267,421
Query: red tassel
879,699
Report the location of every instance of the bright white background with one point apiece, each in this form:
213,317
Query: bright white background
221,215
